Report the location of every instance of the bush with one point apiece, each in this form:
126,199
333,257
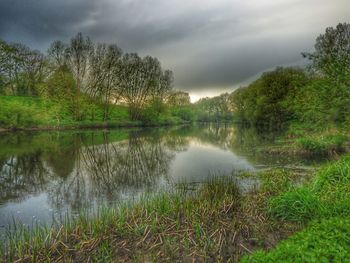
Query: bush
18,115
267,100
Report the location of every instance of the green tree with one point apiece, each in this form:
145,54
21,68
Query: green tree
331,57
267,100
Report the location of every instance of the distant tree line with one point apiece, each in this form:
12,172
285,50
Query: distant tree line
82,71
215,109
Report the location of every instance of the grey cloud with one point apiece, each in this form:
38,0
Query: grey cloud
211,45
38,22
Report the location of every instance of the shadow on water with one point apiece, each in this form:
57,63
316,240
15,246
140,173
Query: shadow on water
43,175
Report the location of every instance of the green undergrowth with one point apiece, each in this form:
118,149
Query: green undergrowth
29,112
322,205
38,113
327,195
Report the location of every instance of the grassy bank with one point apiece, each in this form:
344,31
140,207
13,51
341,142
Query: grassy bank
34,113
322,206
215,223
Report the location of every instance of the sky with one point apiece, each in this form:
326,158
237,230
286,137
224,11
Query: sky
212,46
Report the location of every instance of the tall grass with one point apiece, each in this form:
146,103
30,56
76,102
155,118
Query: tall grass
213,223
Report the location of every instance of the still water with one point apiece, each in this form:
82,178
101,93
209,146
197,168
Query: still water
45,175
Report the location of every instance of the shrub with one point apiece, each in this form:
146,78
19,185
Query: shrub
17,115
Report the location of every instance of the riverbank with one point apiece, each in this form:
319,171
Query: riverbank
38,114
92,126
215,223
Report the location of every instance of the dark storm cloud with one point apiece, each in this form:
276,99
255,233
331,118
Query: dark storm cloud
211,45
38,22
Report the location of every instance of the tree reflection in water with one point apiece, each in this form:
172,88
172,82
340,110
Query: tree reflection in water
82,169
22,175
107,171
78,170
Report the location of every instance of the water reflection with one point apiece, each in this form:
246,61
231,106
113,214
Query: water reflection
45,174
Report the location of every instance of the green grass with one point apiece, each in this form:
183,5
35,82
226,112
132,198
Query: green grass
326,196
32,112
323,207
299,205
322,241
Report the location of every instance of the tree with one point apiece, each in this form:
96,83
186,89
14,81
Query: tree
78,54
328,94
267,100
179,98
58,53
33,69
332,52
22,69
141,80
105,67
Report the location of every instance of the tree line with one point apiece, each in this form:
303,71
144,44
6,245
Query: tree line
82,72
317,96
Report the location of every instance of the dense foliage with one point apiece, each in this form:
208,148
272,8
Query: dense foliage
318,97
266,101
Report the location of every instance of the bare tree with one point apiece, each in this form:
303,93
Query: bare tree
58,53
78,54
105,66
142,80
21,67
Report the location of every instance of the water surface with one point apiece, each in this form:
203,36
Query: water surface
44,175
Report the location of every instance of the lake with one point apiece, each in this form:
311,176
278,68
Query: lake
46,175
